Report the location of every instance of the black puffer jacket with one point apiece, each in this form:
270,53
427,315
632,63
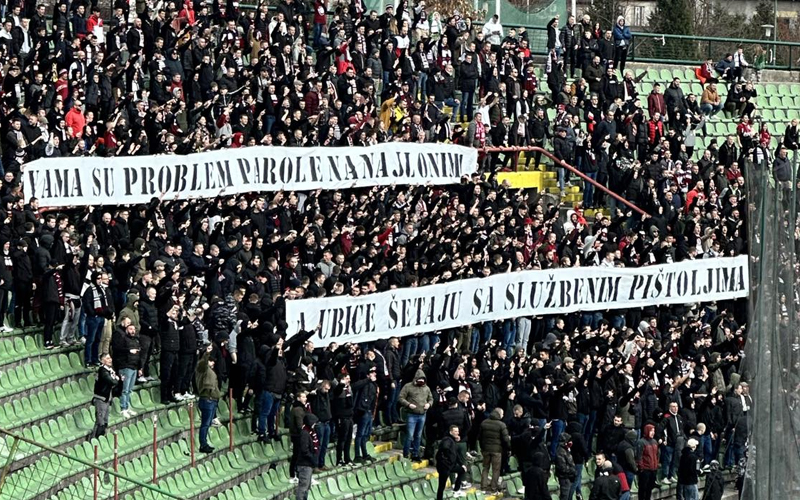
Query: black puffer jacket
148,316
122,345
277,377
170,336
565,465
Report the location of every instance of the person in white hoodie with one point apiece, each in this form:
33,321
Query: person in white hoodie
493,32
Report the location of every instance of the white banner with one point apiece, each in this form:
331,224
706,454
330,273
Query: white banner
137,179
526,293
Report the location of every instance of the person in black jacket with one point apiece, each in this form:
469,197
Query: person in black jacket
104,389
535,477
321,408
449,462
126,348
687,470
23,285
395,370
366,392
342,405
274,387
309,447
187,356
52,300
6,282
563,152
148,318
170,347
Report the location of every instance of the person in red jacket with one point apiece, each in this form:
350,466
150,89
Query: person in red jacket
647,452
320,20
75,120
655,101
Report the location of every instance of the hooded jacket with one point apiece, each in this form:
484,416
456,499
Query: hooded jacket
626,452
296,418
419,396
565,465
307,457
535,477
494,434
647,451
131,312
206,379
687,468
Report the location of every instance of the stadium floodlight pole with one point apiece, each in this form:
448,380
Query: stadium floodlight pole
561,163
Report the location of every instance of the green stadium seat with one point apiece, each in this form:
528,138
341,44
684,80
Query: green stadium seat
688,75
775,102
767,114
780,115
665,76
771,89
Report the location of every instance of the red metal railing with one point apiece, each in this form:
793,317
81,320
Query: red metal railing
569,167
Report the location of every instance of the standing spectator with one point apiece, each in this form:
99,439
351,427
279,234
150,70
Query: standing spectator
606,484
622,40
208,391
448,463
170,349
626,456
494,439
321,408
366,396
23,286
565,466
296,416
126,348
394,369
715,483
309,447
104,389
671,438
96,305
648,462
416,398
342,405
687,471
52,300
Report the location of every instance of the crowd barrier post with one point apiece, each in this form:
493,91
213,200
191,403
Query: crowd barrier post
95,472
155,448
116,465
230,417
191,431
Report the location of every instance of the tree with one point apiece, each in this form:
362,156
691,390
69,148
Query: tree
605,12
674,17
764,14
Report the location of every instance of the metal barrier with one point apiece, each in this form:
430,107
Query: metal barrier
65,477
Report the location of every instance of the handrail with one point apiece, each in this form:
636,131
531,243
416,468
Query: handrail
562,163
83,462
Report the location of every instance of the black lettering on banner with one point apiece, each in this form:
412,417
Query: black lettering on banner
131,177
180,178
682,283
511,296
333,166
638,281
164,179
352,173
383,166
394,316
244,169
434,164
148,187
483,301
551,290
566,288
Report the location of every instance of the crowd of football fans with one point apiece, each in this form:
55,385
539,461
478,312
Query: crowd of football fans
200,286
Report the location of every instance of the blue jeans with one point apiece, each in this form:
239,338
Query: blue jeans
409,349
707,447
509,334
667,470
556,429
588,189
363,430
270,121
414,426
467,105
424,344
94,330
689,492
268,410
422,84
128,381
324,435
562,177
576,484
208,410
317,35
473,342
710,109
